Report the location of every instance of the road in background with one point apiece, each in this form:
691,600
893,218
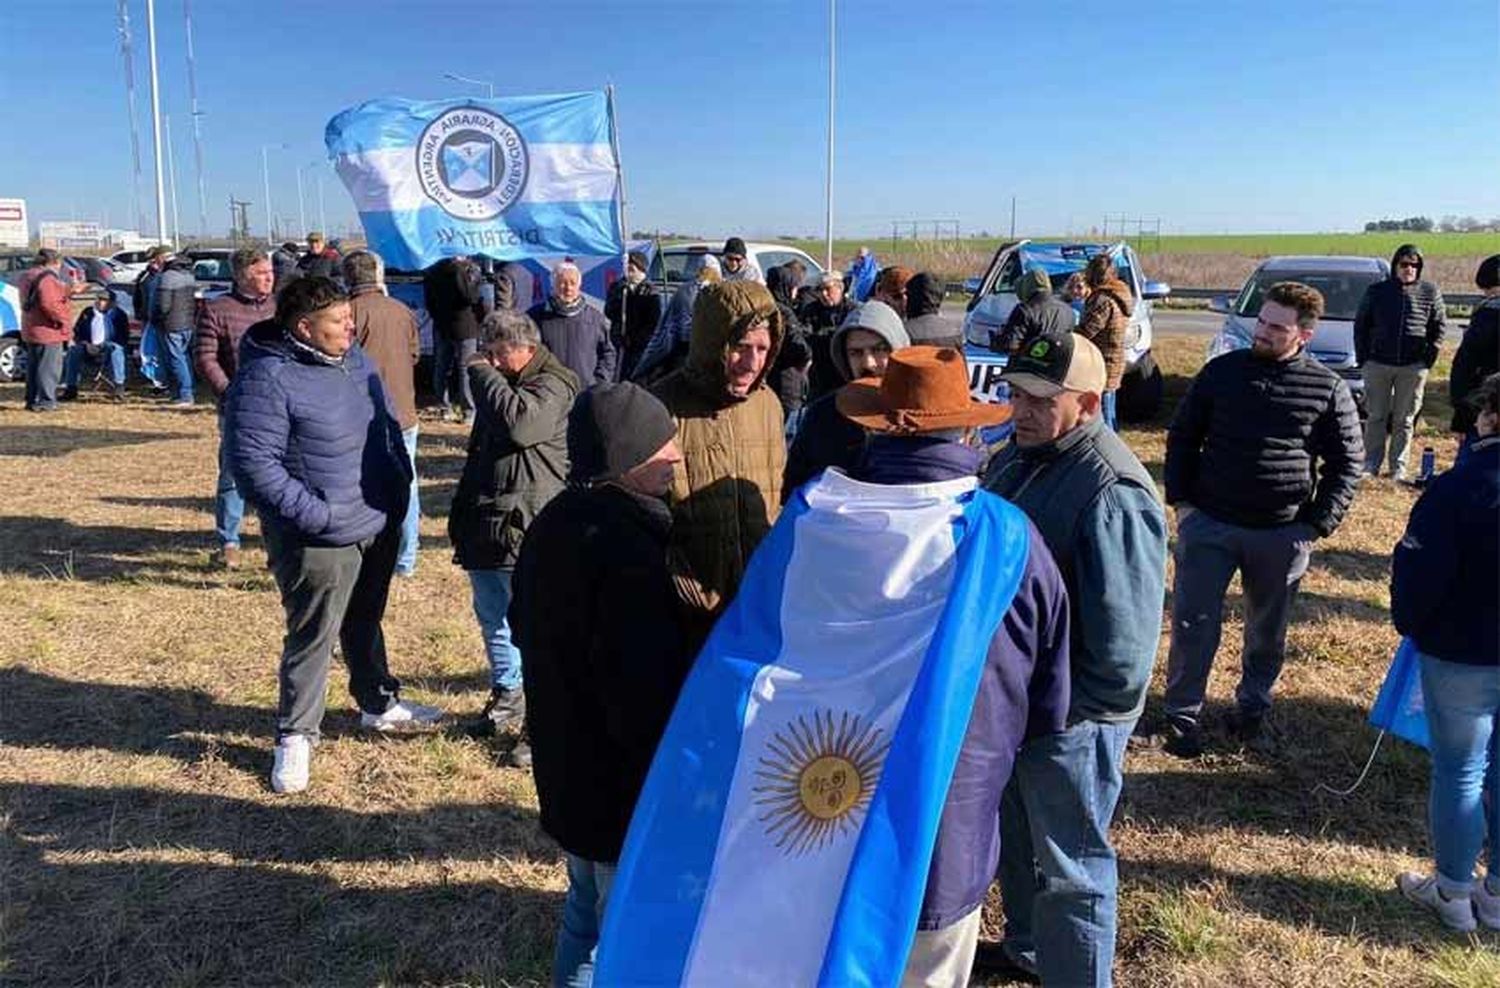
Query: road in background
1198,321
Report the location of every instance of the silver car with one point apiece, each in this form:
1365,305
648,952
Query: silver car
1342,280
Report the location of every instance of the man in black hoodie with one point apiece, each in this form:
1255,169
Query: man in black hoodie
1397,332
596,614
925,322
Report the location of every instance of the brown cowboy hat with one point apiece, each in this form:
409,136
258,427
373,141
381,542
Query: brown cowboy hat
925,388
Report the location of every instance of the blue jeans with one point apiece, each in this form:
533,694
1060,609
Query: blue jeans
229,506
178,361
406,556
450,378
583,915
1107,410
1057,868
491,601
1463,714
111,355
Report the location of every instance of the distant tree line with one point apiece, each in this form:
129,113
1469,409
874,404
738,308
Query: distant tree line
1424,224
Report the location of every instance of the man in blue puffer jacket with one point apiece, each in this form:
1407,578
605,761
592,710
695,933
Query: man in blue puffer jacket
316,448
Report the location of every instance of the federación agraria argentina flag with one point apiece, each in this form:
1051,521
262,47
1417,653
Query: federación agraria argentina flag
510,178
786,828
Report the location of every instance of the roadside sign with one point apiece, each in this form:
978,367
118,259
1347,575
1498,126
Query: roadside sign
13,229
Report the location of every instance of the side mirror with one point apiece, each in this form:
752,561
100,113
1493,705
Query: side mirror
1220,304
1156,289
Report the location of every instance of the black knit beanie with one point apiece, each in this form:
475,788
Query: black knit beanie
614,428
1488,275
734,247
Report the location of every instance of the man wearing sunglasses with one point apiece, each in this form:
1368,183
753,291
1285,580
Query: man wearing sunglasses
1397,332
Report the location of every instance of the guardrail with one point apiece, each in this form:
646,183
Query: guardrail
957,288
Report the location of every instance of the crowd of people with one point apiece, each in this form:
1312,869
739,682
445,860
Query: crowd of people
623,467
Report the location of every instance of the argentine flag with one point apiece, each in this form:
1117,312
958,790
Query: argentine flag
785,831
514,178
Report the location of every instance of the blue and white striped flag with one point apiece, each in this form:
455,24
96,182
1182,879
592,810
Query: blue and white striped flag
512,178
787,825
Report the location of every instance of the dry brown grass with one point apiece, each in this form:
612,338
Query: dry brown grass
142,846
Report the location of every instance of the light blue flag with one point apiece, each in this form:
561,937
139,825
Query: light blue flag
1398,707
785,831
514,178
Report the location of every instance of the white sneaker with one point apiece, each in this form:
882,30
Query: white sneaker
1456,913
1486,906
403,715
293,760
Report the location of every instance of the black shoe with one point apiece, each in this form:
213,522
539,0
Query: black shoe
504,709
68,394
1184,738
992,960
1252,730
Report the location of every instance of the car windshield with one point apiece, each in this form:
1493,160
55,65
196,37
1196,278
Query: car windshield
1341,290
670,265
211,269
1059,261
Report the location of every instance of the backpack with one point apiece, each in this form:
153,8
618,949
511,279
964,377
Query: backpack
33,297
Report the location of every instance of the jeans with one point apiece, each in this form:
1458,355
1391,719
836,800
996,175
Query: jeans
1107,410
491,602
229,506
406,555
327,591
111,355
1057,868
450,380
181,365
44,363
1463,715
582,918
1391,393
1271,563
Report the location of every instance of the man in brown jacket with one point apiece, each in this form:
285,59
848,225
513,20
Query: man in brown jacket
387,331
45,318
1105,320
729,428
216,351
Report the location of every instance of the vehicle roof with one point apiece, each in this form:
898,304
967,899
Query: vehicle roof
755,245
1323,262
1059,257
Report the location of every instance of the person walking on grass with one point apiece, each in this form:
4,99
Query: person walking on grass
1263,459
45,315
316,448
517,462
598,620
1445,598
1398,330
222,323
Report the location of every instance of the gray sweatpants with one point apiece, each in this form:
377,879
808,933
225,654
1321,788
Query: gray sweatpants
1393,393
1271,563
328,591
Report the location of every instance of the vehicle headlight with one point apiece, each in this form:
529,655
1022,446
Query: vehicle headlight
1223,343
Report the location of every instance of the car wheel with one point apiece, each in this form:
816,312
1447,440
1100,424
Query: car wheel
12,359
1140,390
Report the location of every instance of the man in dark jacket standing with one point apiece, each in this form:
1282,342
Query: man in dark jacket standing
216,349
575,332
925,322
1241,456
450,292
387,332
1478,353
822,318
1040,313
284,266
597,616
633,310
1397,332
518,461
45,315
789,373
1096,508
316,449
174,308
321,260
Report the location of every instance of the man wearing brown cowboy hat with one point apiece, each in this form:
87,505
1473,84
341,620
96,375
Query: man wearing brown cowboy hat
850,725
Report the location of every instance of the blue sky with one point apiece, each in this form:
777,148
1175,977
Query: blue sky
1215,117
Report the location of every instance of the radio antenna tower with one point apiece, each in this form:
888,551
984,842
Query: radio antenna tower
135,134
187,16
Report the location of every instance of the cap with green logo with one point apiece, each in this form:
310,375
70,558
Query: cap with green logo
1049,365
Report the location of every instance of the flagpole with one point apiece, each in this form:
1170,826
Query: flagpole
161,200
614,143
828,188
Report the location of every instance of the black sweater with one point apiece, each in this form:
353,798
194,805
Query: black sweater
1260,443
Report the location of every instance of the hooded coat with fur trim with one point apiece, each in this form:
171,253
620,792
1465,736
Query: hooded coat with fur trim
728,489
1106,320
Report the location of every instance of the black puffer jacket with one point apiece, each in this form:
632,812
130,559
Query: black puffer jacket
1478,357
821,322
1261,443
789,375
518,458
450,292
1398,324
1043,314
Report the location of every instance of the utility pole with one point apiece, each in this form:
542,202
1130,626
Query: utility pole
161,192
187,16
172,182
1012,217
136,215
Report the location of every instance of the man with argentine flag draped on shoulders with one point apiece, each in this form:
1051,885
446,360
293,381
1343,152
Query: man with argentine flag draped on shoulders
823,808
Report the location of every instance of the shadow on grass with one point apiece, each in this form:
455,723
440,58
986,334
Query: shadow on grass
210,923
60,549
59,440
185,503
1353,564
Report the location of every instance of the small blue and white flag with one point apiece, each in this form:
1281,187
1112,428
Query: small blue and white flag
1398,708
513,178
786,828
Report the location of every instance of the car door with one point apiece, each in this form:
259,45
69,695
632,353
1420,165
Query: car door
991,305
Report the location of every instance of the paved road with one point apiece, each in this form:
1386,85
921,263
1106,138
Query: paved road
1196,321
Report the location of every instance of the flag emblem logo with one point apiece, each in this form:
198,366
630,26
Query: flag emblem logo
472,162
816,780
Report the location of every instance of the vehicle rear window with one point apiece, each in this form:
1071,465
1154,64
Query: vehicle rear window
1341,290
669,265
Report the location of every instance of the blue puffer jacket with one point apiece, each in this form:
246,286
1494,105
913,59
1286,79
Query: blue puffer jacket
314,442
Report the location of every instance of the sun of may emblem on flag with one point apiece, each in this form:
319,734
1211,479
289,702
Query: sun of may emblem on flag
816,780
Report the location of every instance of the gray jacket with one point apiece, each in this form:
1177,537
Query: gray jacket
174,305
1097,509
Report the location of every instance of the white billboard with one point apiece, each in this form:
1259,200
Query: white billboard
69,234
13,229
